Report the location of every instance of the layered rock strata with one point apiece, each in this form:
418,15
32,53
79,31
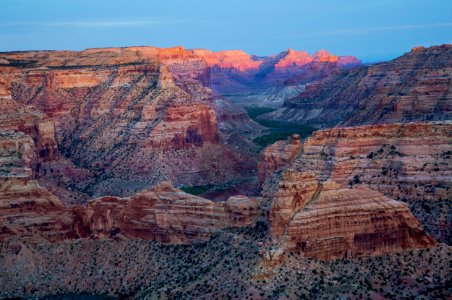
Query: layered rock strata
129,116
361,170
408,162
27,210
325,220
166,214
278,156
413,87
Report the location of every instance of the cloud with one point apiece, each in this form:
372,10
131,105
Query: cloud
371,29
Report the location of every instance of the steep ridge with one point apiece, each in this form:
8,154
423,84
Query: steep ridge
166,214
28,210
326,220
350,174
344,223
413,87
120,113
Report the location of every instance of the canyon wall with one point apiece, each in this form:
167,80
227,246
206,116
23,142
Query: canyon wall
323,200
125,117
413,87
339,222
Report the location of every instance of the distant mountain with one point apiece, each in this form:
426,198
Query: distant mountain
235,71
414,87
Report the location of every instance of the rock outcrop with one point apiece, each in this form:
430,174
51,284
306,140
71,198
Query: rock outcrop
166,214
278,156
409,162
413,87
27,210
352,178
295,190
162,213
338,222
126,117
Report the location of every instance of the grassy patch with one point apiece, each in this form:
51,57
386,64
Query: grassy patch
197,190
279,130
254,112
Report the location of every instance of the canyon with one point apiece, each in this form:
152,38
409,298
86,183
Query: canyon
125,118
102,152
413,87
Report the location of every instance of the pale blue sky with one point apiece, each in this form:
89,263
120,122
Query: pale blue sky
372,30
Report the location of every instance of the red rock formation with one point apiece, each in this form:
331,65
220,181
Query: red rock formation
325,220
278,156
241,210
343,223
408,162
120,113
30,212
413,87
162,213
166,214
235,72
228,59
27,210
295,191
404,161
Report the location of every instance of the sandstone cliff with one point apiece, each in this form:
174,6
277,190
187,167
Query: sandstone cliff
327,199
327,221
126,117
30,212
277,156
345,222
27,210
413,87
166,214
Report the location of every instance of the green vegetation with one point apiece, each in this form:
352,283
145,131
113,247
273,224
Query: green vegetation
254,112
217,187
278,130
197,190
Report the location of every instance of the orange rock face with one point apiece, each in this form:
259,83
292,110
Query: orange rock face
294,192
337,193
234,71
277,156
325,220
342,222
166,214
229,59
27,210
30,212
125,117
